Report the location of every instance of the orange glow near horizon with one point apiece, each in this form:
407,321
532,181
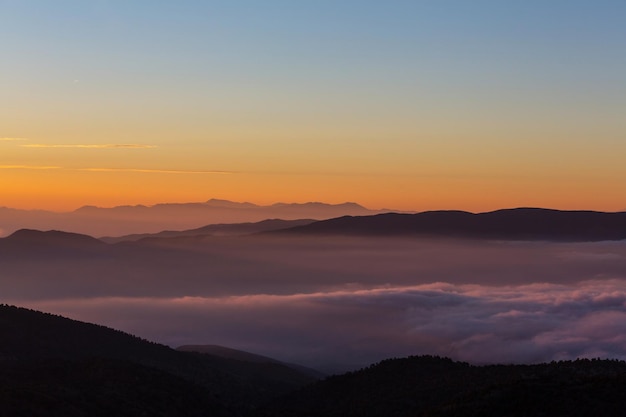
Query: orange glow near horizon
64,190
413,107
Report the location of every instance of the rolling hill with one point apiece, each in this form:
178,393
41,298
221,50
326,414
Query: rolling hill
509,224
220,229
54,366
433,386
47,359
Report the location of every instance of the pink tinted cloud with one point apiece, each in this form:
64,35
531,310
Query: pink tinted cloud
475,323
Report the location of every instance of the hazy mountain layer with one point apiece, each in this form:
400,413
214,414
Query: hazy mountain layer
334,303
124,220
228,229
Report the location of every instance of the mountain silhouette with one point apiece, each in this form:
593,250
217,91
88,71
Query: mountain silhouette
51,237
37,347
508,224
139,219
222,229
54,366
35,243
433,386
225,352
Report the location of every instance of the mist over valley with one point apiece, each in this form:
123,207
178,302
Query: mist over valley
333,302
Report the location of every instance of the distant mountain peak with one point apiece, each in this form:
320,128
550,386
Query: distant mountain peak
51,237
216,202
90,208
86,208
320,204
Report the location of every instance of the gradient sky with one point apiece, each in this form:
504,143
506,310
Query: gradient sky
472,105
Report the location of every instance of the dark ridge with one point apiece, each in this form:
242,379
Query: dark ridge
434,386
33,337
52,237
508,224
240,355
101,387
220,229
225,352
27,244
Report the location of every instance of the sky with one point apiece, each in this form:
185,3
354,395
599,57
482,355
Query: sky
413,105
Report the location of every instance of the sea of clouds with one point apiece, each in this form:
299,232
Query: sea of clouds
502,303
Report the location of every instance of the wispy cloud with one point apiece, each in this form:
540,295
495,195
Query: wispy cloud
137,170
91,146
35,167
154,171
11,139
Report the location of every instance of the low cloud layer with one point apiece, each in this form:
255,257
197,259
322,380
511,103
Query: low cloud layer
349,328
337,303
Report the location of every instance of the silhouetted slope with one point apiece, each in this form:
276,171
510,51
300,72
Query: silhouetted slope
26,242
225,352
33,337
240,355
432,386
100,387
513,224
222,229
52,237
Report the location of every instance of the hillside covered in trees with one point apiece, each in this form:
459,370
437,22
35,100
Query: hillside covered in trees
50,365
53,366
433,386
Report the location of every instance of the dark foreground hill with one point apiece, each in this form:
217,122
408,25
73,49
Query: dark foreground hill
509,224
50,365
53,366
432,386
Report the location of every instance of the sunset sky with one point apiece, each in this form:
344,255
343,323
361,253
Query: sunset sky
413,105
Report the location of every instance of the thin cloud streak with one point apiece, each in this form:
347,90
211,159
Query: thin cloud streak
12,139
33,167
153,171
92,146
137,170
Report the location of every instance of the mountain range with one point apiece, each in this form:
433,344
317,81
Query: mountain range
508,224
124,220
